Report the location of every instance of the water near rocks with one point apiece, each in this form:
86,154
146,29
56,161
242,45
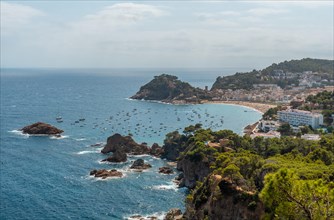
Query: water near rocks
48,178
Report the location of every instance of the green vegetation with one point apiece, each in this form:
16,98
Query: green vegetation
267,75
292,177
306,64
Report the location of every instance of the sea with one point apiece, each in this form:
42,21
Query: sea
48,178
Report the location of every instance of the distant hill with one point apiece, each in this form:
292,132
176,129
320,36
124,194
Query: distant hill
283,74
169,89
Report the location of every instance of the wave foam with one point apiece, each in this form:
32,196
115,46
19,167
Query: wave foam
18,132
58,138
136,216
166,187
80,139
97,150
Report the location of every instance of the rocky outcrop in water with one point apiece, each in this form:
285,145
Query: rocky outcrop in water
156,150
105,173
41,128
140,165
125,144
173,214
218,198
169,89
117,157
166,170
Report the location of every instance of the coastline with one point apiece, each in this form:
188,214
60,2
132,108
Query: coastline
260,107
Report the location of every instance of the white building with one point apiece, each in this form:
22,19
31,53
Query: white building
266,126
270,134
297,117
312,137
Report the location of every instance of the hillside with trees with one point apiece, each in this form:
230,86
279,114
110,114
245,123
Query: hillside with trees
234,177
283,74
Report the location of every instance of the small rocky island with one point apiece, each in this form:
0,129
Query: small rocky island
167,88
105,173
139,165
120,146
41,128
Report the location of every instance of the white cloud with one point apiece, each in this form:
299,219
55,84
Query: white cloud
265,11
15,16
124,13
235,18
299,3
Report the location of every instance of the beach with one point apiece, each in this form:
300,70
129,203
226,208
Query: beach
261,107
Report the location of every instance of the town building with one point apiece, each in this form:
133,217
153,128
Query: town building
297,117
312,137
267,125
270,134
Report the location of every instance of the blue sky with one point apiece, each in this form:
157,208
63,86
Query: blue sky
188,34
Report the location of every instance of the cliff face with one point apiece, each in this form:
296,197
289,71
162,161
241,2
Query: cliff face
193,171
174,144
218,198
168,88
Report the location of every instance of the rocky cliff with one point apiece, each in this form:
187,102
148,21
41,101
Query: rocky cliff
169,89
193,171
218,198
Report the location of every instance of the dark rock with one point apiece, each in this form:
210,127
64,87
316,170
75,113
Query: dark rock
219,198
179,177
139,217
105,173
96,145
41,128
193,171
124,143
117,157
168,88
140,165
173,214
156,150
166,170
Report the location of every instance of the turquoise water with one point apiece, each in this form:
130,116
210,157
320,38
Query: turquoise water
45,178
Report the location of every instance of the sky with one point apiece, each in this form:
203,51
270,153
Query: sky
153,34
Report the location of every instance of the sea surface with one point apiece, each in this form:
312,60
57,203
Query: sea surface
48,178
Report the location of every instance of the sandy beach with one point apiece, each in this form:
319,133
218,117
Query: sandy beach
261,107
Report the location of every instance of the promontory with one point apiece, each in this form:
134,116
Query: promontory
167,88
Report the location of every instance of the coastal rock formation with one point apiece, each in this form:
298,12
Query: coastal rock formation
125,144
166,170
139,165
193,171
117,157
173,145
156,150
41,128
219,198
105,173
139,217
169,89
173,214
